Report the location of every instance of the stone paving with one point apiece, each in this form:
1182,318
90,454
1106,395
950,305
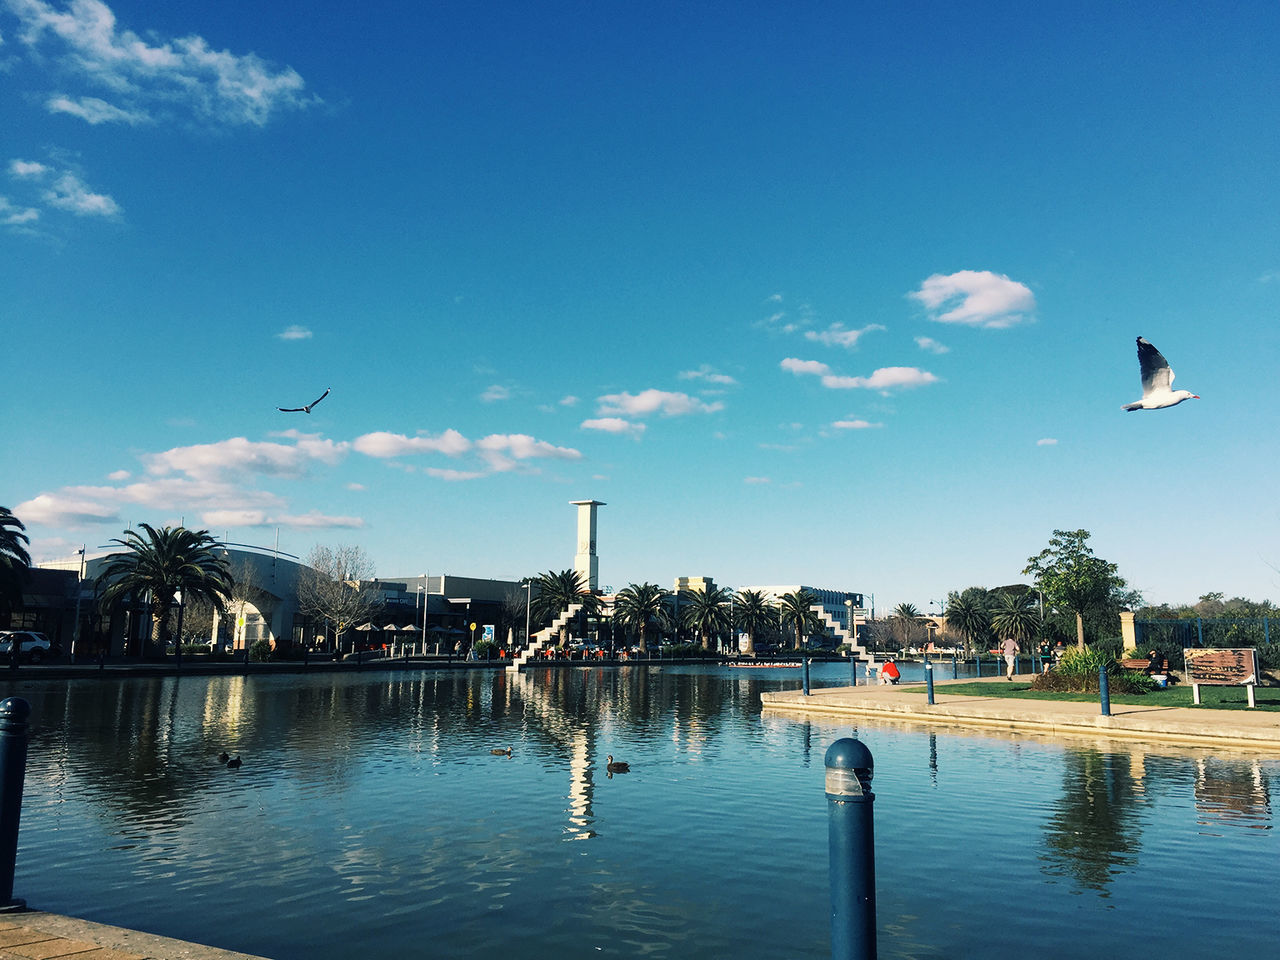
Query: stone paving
1195,725
35,935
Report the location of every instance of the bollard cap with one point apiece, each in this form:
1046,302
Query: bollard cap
849,768
14,711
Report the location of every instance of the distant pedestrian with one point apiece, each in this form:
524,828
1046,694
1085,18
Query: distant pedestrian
1010,650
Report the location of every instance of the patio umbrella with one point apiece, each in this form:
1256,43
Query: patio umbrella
409,629
391,628
366,626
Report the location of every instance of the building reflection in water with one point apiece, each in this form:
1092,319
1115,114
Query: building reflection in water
1232,792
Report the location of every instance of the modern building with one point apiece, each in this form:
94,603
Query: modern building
835,603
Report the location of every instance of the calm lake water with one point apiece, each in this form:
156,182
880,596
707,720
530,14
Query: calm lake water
370,817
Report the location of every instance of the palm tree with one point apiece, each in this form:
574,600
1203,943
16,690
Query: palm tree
752,613
796,610
556,592
167,562
1015,616
968,617
637,606
905,622
14,560
707,612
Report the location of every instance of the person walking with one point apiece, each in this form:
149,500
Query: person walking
1010,650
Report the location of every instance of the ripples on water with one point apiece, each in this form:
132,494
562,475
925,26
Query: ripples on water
371,815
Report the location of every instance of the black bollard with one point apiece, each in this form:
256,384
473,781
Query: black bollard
851,838
1103,691
805,675
13,771
955,668
928,679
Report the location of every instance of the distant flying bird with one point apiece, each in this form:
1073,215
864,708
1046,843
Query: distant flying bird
1157,381
307,408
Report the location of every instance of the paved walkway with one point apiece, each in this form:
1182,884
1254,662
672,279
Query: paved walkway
35,935
1252,728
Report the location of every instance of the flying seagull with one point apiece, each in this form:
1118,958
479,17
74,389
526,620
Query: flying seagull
1157,381
307,408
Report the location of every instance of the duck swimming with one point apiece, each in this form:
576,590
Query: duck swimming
616,766
499,752
223,757
234,761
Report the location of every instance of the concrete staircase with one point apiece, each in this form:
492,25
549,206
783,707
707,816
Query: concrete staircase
543,637
856,651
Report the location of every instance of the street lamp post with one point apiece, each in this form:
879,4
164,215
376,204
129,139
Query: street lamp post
528,606
75,633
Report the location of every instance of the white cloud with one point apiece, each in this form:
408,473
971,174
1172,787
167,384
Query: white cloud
238,455
81,505
502,451
94,111
66,509
261,518
613,425
495,393
118,476
932,345
855,425
976,297
70,193
27,169
669,404
14,216
569,401
884,379
1047,442
454,476
355,486
215,85
294,332
837,336
797,366
756,480
707,373
383,445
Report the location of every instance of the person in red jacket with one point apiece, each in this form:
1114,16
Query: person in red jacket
889,672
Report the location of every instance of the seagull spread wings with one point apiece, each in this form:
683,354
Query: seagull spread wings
307,408
1157,381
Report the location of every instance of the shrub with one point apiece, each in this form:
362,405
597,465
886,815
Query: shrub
1078,671
260,651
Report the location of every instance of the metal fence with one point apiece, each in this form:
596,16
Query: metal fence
1169,637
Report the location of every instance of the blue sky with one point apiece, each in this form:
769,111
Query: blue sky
837,294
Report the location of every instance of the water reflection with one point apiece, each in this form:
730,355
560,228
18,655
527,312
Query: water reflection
382,791
1232,793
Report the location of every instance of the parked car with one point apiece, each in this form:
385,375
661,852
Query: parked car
32,647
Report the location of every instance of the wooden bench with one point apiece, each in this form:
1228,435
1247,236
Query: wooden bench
1147,665
1223,667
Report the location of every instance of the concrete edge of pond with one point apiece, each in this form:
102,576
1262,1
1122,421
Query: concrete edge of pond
28,933
1230,728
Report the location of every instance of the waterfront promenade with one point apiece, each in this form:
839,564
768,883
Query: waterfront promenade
48,936
908,702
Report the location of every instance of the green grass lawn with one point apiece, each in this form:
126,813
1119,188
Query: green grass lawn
1211,698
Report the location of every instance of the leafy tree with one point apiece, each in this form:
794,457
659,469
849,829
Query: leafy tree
162,564
14,560
967,614
638,606
753,613
1015,616
1071,577
795,611
556,592
334,585
707,612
